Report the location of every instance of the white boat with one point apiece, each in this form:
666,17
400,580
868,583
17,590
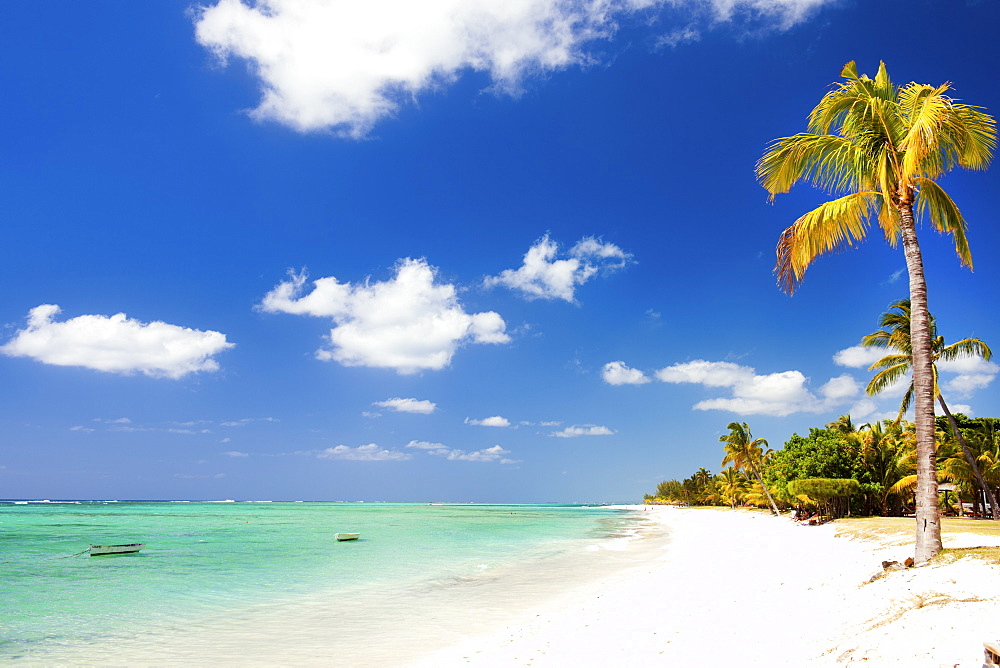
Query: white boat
116,549
346,536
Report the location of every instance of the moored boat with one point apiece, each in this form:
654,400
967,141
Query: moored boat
346,536
96,550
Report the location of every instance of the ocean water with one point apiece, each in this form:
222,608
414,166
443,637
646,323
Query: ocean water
266,583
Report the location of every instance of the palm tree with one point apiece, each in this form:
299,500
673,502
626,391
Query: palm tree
743,450
887,460
882,147
732,486
895,335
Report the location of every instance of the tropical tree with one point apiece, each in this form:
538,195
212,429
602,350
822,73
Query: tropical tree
732,485
886,459
881,147
894,367
744,451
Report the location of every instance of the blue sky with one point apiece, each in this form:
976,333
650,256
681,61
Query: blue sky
455,251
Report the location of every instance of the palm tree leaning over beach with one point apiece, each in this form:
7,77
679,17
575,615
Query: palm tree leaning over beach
895,336
881,147
744,451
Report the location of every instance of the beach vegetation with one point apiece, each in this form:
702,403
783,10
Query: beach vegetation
745,452
881,148
894,368
879,457
832,494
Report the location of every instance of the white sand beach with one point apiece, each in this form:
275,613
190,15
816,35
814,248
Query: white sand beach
748,589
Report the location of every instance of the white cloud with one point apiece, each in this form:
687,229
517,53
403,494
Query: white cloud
425,445
363,453
408,323
777,394
341,65
973,373
712,374
583,430
543,276
858,357
116,344
616,373
494,421
493,454
840,388
399,405
235,453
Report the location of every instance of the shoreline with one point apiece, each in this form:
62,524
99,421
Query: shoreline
749,589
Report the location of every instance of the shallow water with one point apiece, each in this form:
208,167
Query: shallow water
267,583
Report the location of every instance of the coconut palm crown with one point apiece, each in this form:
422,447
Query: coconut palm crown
881,147
895,337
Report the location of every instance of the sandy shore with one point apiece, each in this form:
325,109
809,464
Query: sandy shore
737,588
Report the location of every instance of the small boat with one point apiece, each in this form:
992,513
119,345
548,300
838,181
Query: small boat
346,536
96,550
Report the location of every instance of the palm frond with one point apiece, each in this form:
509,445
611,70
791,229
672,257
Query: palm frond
943,213
974,132
830,162
887,378
834,225
966,348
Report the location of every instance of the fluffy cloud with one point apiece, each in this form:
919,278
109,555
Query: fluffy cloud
777,394
972,373
858,357
408,323
583,430
616,373
421,406
494,421
335,64
116,344
363,453
543,276
493,454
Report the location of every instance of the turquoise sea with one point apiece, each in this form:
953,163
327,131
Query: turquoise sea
266,583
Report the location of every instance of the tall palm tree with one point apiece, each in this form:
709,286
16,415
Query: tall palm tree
882,147
895,336
744,451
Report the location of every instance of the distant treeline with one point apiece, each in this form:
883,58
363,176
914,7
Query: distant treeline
841,469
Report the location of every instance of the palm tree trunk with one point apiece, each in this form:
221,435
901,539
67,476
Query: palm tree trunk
774,506
972,460
928,537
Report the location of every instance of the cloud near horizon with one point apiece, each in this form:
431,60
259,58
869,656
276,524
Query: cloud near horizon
543,276
409,323
421,406
116,344
494,421
493,454
344,66
583,430
363,453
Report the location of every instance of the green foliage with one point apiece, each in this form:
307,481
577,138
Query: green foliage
823,489
824,453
